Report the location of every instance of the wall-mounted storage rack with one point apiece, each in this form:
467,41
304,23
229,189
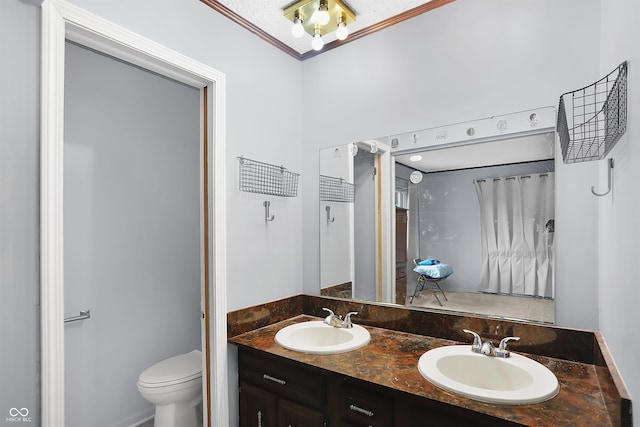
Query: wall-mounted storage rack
592,119
334,189
264,178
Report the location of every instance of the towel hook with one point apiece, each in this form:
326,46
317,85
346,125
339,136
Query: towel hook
609,175
267,217
329,217
84,314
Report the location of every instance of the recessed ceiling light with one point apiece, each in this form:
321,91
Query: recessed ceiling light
415,158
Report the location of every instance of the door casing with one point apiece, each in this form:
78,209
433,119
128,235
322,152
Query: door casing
63,21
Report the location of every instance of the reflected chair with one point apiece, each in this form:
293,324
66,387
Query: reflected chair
424,281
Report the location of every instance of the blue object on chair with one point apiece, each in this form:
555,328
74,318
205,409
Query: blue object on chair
430,274
436,271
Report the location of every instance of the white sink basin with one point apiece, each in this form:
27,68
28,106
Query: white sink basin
515,380
316,337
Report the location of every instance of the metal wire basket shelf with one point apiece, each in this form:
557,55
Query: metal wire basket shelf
334,189
592,119
264,178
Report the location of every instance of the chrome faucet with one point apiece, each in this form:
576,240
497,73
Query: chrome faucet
487,347
337,322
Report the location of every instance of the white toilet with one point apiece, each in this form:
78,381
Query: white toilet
174,385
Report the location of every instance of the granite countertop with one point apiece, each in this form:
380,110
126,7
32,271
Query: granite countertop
391,358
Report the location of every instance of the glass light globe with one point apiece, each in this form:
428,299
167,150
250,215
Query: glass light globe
297,30
317,43
342,31
322,16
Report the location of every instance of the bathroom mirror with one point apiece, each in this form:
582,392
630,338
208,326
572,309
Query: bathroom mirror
443,181
351,227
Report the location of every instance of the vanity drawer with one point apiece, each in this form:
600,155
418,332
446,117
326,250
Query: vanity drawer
285,379
360,407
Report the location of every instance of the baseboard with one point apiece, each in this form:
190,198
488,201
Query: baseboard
141,422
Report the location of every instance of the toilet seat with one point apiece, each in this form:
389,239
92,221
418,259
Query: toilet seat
174,370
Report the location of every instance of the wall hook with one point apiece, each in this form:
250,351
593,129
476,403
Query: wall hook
267,217
329,218
609,176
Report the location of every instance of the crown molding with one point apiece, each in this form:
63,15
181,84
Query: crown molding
411,13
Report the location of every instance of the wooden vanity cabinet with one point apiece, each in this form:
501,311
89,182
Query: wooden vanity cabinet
278,392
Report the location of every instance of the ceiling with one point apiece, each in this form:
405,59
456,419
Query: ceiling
265,18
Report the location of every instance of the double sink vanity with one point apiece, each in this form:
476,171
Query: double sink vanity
300,366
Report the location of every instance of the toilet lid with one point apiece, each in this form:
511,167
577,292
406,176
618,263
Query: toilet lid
174,370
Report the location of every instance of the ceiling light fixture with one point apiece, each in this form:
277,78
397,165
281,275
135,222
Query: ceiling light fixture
298,29
415,158
318,18
323,17
342,31
317,43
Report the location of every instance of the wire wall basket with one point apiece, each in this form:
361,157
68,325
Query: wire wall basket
334,189
592,119
263,178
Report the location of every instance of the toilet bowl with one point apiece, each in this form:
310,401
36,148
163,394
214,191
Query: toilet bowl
174,385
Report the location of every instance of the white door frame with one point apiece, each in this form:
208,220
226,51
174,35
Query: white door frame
62,21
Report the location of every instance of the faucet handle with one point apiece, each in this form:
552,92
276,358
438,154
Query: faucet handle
477,341
502,348
330,318
347,318
504,341
329,310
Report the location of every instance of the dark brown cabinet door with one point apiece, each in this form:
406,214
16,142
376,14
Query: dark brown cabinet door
293,415
258,408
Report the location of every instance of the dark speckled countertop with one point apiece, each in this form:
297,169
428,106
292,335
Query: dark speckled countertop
589,395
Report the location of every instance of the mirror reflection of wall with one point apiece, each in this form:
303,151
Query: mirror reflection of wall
437,214
365,226
336,221
348,222
449,229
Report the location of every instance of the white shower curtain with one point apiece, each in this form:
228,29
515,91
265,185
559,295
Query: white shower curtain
516,242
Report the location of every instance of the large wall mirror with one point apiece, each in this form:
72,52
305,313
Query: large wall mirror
471,227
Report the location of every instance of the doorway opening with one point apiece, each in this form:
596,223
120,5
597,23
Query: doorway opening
61,22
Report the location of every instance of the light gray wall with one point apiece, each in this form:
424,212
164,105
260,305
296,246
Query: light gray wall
263,123
464,61
450,226
132,232
619,226
576,245
263,87
19,209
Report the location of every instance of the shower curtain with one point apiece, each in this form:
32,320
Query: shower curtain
516,241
